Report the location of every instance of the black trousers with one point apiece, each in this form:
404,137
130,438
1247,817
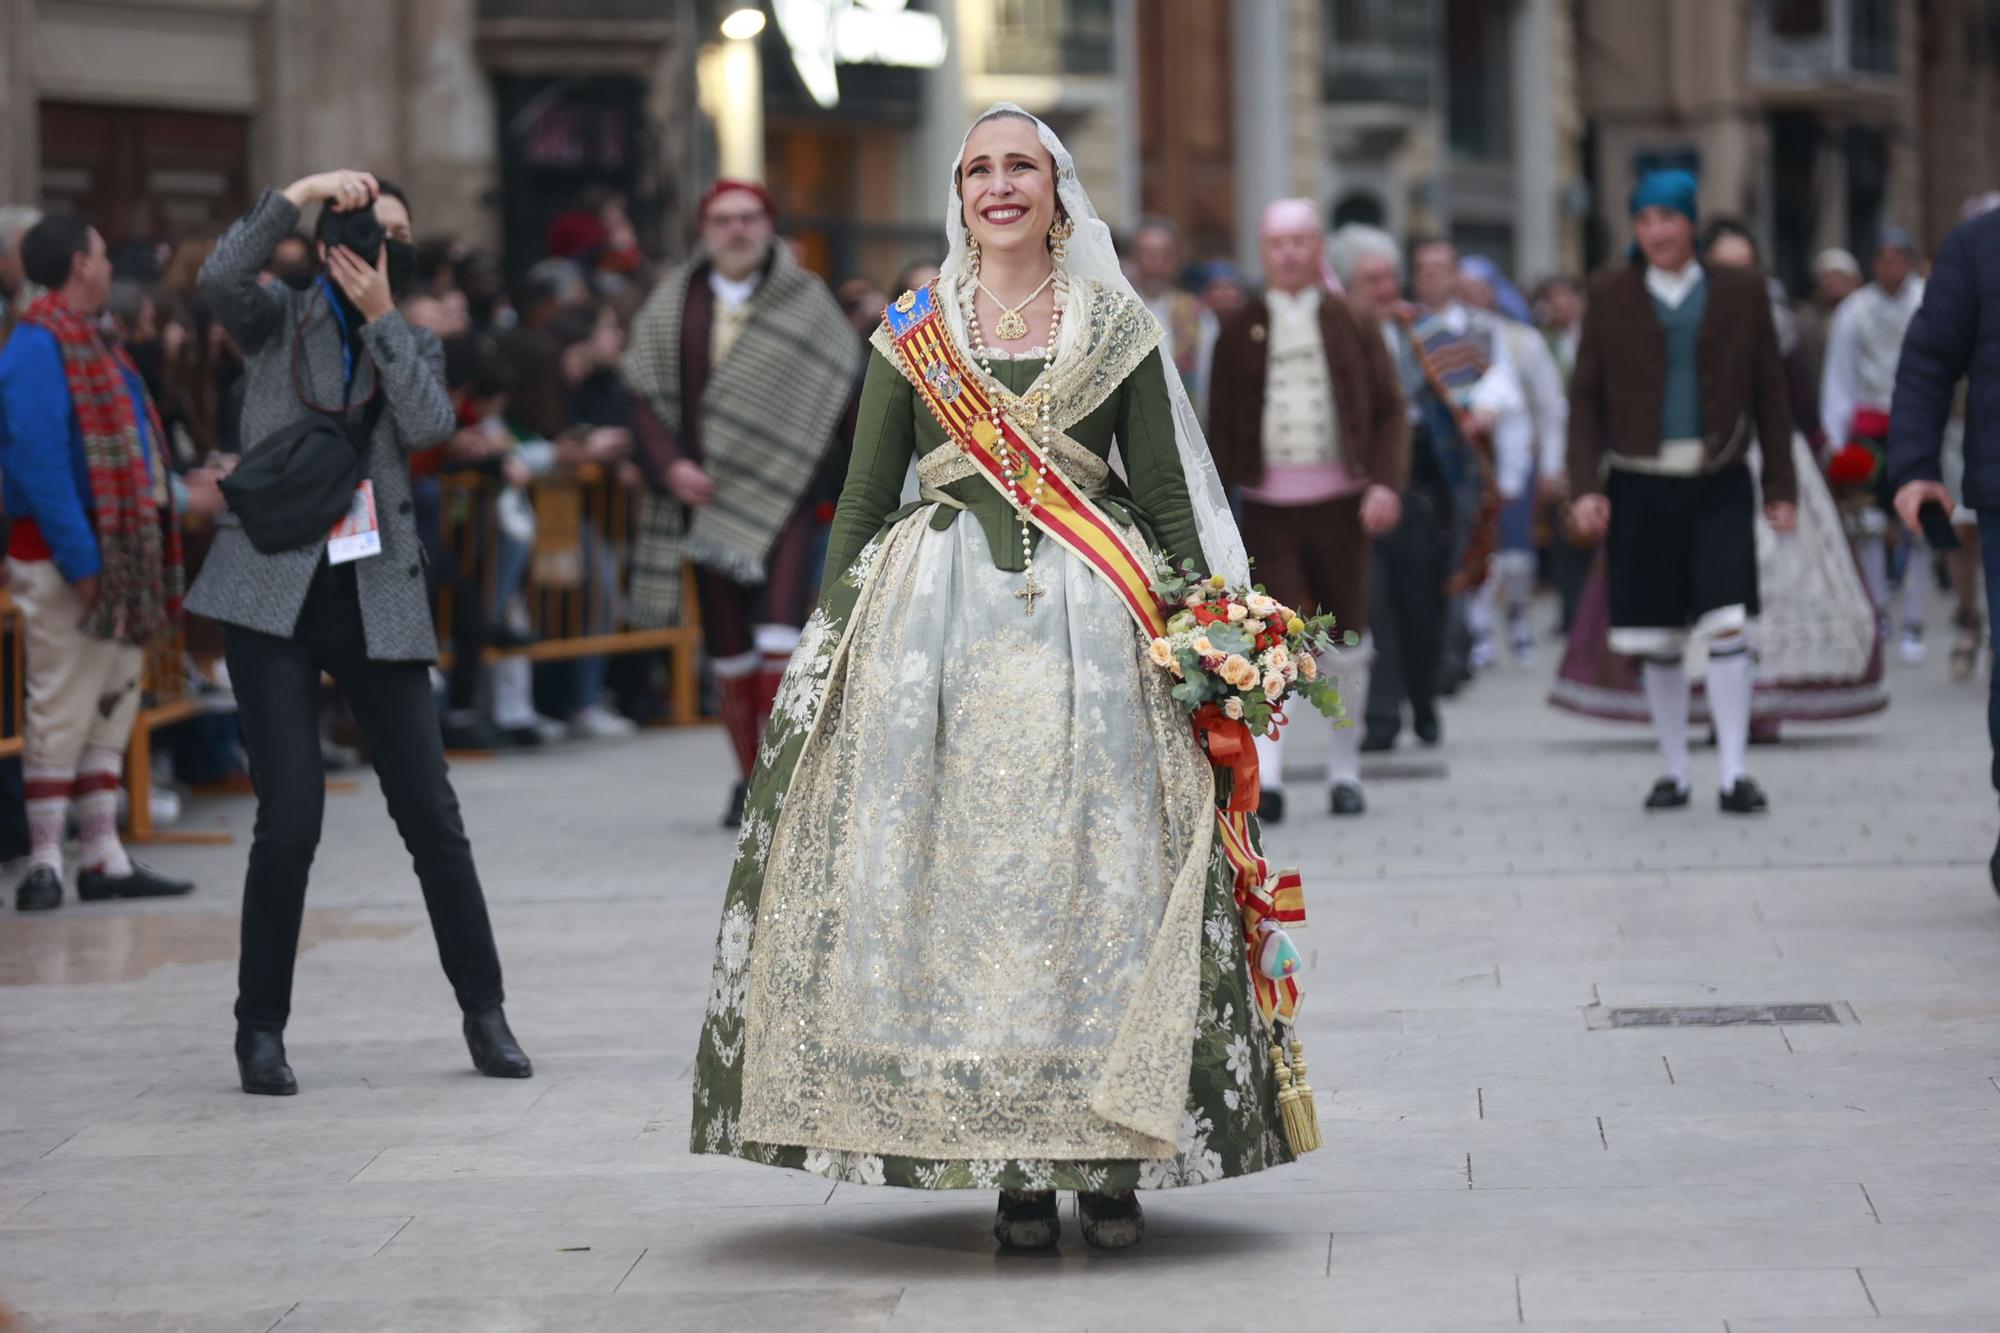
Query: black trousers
1406,608
277,695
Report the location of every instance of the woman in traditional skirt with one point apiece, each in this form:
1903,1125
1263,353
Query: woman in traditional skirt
980,932
1819,648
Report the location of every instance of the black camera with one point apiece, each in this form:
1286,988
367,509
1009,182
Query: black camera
356,229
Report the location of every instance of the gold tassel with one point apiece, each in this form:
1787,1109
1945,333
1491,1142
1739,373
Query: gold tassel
1301,1115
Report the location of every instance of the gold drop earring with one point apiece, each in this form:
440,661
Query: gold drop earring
1058,235
972,253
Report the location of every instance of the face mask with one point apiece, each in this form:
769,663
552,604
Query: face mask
402,266
298,276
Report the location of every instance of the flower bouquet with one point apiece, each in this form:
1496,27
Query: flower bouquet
1237,654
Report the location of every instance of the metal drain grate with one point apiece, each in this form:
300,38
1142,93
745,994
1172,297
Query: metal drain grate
1714,1015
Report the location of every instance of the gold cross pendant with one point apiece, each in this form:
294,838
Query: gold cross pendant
1029,592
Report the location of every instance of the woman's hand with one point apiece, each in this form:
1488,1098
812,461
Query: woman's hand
1783,516
344,191
367,287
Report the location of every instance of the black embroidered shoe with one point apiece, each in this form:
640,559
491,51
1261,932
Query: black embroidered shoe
1111,1221
1667,794
1027,1220
1347,799
41,891
1745,798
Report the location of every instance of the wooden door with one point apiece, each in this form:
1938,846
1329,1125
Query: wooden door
1186,121
145,174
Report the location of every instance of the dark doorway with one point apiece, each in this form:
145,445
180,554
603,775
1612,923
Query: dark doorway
568,144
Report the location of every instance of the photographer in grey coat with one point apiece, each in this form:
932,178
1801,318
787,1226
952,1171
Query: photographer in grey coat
352,604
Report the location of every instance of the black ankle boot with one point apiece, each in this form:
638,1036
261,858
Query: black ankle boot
260,1063
495,1053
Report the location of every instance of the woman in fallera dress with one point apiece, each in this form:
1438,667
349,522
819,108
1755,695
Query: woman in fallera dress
980,931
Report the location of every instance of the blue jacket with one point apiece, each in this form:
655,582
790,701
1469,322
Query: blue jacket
43,474
1956,333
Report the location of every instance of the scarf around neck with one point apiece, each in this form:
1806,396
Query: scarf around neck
141,581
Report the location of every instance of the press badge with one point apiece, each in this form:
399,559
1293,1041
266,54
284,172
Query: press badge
357,536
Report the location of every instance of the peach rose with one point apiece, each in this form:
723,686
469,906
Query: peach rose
1308,668
1161,651
1232,708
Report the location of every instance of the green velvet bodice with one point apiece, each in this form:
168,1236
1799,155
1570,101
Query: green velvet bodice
895,427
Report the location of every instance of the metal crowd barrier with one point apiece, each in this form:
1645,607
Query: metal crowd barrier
574,590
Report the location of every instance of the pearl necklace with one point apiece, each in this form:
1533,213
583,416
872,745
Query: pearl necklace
1012,463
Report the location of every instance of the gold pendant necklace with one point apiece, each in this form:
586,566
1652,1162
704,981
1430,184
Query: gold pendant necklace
1011,326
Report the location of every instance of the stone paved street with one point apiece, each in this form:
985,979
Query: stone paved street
1497,1155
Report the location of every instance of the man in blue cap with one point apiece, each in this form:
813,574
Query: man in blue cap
1677,371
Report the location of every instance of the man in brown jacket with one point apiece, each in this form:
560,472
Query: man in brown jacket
1677,370
1308,421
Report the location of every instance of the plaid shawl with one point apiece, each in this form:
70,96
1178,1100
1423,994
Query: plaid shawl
768,413
140,585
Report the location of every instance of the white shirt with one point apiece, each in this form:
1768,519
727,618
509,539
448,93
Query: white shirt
732,311
1299,425
1863,346
1673,288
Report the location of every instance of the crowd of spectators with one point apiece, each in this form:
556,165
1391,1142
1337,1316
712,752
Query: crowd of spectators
521,499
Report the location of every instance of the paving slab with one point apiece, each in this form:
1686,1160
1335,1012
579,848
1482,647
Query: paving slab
1497,1157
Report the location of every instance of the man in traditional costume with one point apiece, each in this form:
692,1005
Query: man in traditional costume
1410,563
977,935
93,555
1678,370
1190,325
1308,420
1862,348
747,367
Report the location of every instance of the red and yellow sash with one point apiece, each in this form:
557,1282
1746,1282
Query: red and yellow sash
959,400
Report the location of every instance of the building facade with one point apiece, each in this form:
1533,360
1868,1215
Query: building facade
163,118
1818,121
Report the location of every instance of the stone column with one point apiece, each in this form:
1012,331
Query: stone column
1125,208
20,129
1538,155
1263,109
452,146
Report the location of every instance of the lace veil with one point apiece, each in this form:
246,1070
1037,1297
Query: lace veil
1093,258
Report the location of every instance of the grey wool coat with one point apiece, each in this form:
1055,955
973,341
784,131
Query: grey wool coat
240,585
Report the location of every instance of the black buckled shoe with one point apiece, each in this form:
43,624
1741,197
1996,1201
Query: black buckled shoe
1111,1221
1667,794
260,1063
144,882
1027,1220
1271,806
495,1053
41,891
1429,730
738,797
1745,798
1347,799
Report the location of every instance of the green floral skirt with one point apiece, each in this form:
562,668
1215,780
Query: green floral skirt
1230,1123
